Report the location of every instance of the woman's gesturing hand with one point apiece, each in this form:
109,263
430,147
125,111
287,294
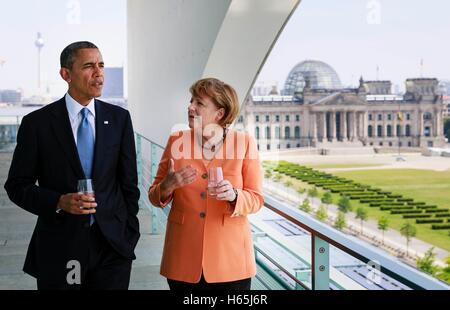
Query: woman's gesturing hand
176,179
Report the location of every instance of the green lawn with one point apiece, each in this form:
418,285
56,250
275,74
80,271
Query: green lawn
336,165
423,185
432,187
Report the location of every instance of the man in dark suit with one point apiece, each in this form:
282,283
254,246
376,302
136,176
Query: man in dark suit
78,242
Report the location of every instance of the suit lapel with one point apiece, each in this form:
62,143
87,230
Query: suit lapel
102,130
63,132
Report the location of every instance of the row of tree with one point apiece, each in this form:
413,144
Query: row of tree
407,230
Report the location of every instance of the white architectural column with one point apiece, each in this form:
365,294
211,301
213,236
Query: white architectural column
440,124
359,132
314,118
343,118
353,127
419,122
365,125
323,126
394,129
332,126
436,123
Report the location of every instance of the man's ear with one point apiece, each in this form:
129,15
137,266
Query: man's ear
65,74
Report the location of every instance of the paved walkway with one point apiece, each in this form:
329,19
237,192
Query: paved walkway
16,227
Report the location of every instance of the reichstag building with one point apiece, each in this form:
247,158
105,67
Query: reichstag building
314,110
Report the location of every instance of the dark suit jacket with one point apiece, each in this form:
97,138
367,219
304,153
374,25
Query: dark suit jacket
46,152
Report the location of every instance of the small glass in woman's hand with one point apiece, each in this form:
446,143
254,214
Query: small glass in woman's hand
215,176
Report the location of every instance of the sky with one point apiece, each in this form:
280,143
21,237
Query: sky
61,22
356,36
353,36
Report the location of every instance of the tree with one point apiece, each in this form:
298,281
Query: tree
327,198
322,213
408,231
383,225
305,206
340,222
426,263
300,190
361,214
288,183
444,274
277,177
268,174
312,192
344,204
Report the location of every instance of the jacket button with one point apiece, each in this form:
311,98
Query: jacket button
203,195
202,215
204,175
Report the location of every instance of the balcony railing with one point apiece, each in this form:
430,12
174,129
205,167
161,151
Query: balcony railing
286,263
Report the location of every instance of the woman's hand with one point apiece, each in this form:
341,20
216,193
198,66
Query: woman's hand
176,179
225,191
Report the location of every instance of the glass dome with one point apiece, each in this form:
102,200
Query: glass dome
319,74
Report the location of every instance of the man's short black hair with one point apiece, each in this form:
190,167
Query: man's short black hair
68,54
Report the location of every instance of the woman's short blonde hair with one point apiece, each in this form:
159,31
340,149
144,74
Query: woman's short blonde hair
223,95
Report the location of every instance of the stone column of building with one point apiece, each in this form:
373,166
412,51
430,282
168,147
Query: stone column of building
360,131
394,127
365,126
353,127
343,126
440,124
436,123
420,129
314,118
332,126
323,126
384,130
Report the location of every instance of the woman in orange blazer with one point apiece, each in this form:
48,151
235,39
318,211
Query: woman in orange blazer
208,242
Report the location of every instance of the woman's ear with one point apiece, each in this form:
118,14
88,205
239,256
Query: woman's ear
220,114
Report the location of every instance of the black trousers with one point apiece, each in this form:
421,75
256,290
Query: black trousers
243,284
107,269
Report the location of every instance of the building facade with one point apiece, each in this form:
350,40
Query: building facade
365,116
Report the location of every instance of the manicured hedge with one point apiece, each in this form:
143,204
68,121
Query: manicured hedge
416,216
442,215
406,211
437,211
440,226
387,208
426,207
417,203
429,221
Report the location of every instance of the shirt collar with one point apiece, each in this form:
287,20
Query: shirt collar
74,108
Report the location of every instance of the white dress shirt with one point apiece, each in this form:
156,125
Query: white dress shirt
74,109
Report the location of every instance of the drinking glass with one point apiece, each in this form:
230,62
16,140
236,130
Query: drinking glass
215,176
